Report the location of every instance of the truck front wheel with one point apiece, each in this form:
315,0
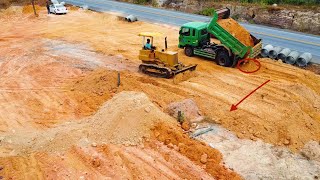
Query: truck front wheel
188,51
223,59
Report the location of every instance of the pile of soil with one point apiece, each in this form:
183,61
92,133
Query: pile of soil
249,66
199,153
237,31
91,91
102,144
125,119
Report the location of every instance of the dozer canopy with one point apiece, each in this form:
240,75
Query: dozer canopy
150,34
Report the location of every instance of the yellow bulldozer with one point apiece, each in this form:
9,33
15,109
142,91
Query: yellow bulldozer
160,63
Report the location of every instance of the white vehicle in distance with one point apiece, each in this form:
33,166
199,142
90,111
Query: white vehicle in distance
58,9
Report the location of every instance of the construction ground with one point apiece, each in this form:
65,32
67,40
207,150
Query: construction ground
63,115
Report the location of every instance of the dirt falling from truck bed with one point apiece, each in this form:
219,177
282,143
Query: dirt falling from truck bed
237,31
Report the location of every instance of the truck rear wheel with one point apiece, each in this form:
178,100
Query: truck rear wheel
188,51
223,59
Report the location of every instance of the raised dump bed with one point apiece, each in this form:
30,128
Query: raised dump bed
195,39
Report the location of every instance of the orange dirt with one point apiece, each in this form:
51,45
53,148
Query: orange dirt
103,161
93,90
249,66
62,68
234,28
172,136
213,83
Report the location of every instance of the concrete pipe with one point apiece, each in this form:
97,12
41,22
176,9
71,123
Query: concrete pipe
292,57
265,50
131,18
283,54
273,54
304,59
84,7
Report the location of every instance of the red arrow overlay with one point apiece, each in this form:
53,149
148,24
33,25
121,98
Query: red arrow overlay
234,107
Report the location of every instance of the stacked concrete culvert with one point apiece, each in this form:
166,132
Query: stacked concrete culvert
273,54
292,57
304,59
265,50
286,55
283,54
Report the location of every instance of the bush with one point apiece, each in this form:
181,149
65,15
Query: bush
142,1
7,3
207,12
269,2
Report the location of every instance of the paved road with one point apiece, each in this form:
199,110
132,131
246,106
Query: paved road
278,37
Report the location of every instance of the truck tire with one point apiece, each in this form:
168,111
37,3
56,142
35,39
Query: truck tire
223,58
188,51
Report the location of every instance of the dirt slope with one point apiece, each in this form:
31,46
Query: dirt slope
105,161
126,119
287,109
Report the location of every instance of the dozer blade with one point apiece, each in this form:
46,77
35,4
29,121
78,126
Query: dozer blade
184,69
156,71
223,13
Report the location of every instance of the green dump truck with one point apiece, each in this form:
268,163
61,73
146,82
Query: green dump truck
195,40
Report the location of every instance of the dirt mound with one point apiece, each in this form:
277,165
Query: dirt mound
249,66
196,151
125,119
93,90
237,31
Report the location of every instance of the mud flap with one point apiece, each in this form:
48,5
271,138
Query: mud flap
235,61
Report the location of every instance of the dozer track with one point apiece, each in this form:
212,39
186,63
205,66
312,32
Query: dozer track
156,71
162,72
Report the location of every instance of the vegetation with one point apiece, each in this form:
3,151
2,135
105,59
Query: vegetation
269,2
7,3
314,3
142,1
180,117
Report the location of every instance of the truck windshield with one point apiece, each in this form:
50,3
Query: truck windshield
185,31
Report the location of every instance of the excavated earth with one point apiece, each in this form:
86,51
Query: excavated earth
65,114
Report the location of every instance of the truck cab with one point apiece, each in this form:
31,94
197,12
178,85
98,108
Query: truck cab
193,34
